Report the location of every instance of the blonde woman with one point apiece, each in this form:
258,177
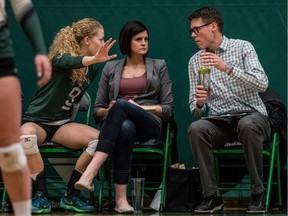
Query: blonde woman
74,55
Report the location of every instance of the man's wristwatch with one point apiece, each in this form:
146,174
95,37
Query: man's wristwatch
228,69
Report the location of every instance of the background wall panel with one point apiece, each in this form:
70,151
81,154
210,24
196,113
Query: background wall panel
262,22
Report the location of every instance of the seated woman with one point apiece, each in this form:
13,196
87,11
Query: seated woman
134,95
73,55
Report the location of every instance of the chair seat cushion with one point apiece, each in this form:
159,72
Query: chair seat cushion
233,145
151,143
238,145
51,145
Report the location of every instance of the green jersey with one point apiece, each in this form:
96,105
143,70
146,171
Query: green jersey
54,101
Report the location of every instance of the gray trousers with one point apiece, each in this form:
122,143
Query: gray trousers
251,130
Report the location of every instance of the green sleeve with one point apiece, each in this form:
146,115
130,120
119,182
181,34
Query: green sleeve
68,62
33,31
29,21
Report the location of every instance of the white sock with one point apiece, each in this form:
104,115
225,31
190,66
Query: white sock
22,208
34,176
78,170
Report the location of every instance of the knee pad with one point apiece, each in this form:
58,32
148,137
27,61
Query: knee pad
12,158
29,143
91,148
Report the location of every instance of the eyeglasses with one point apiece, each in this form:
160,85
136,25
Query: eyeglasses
196,29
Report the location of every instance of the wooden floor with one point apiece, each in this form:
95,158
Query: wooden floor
153,213
231,207
165,214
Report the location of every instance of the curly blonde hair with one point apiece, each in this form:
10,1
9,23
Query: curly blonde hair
69,40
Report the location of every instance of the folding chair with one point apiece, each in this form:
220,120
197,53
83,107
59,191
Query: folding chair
151,149
271,155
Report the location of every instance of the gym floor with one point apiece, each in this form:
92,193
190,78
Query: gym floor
231,207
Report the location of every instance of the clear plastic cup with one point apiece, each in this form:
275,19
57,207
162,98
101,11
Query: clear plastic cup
137,194
204,78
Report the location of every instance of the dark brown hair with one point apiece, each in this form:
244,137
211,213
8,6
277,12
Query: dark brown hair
130,29
208,14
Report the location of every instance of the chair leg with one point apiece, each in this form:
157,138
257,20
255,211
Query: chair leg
167,160
279,177
110,187
105,175
271,168
4,199
163,189
101,184
163,186
4,195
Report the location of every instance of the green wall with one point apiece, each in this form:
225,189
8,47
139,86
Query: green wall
262,22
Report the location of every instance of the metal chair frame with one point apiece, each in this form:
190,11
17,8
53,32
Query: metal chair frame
272,155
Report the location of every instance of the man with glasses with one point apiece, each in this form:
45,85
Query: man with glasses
236,79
